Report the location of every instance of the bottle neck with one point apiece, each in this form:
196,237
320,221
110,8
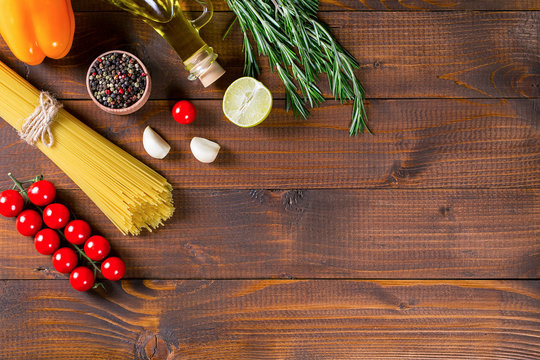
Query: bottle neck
203,66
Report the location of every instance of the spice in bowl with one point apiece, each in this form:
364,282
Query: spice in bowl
118,82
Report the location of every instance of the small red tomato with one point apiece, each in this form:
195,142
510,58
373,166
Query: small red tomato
184,112
64,260
77,231
11,203
82,278
46,241
28,222
56,216
41,193
97,248
113,268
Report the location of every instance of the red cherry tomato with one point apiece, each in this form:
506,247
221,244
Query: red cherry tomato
41,193
28,222
64,260
56,216
46,241
77,231
184,112
97,248
113,268
11,203
82,278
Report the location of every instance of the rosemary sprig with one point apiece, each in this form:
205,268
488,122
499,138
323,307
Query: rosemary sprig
299,47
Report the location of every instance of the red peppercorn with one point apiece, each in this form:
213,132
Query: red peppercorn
99,60
93,74
143,74
120,91
107,91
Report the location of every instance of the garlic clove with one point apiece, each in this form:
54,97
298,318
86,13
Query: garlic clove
204,150
154,144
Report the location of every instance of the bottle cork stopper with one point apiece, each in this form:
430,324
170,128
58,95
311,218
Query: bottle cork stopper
214,72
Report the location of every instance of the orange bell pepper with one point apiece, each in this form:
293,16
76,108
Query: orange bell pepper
34,29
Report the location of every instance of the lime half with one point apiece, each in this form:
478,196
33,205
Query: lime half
247,102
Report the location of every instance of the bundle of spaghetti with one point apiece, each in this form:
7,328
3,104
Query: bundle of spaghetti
129,193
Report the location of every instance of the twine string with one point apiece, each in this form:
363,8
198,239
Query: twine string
38,125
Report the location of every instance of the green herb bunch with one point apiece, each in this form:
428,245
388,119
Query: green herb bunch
300,48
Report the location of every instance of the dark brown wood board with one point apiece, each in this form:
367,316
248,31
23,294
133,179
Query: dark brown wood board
419,242
417,144
272,319
401,54
228,234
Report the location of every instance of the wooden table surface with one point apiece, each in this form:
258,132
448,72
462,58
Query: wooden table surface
300,242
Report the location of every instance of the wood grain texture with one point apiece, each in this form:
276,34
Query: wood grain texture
362,5
269,319
317,234
417,144
447,188
402,55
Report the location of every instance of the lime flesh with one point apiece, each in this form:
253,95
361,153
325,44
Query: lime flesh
247,102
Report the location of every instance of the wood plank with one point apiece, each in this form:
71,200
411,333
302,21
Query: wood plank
417,144
271,319
316,234
402,55
362,5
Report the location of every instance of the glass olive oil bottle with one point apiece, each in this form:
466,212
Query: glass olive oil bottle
168,19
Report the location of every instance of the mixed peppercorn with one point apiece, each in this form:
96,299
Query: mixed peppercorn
117,80
66,257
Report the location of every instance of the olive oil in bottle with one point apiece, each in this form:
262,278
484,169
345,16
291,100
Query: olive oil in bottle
168,19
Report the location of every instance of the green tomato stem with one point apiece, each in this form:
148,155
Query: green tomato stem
81,252
19,186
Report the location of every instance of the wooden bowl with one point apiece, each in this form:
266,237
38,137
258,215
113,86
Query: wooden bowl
134,107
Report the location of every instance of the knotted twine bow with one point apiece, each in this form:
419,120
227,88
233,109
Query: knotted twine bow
38,124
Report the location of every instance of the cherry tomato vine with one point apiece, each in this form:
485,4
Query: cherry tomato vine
93,249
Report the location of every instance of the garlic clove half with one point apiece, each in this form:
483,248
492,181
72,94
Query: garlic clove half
154,144
204,150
